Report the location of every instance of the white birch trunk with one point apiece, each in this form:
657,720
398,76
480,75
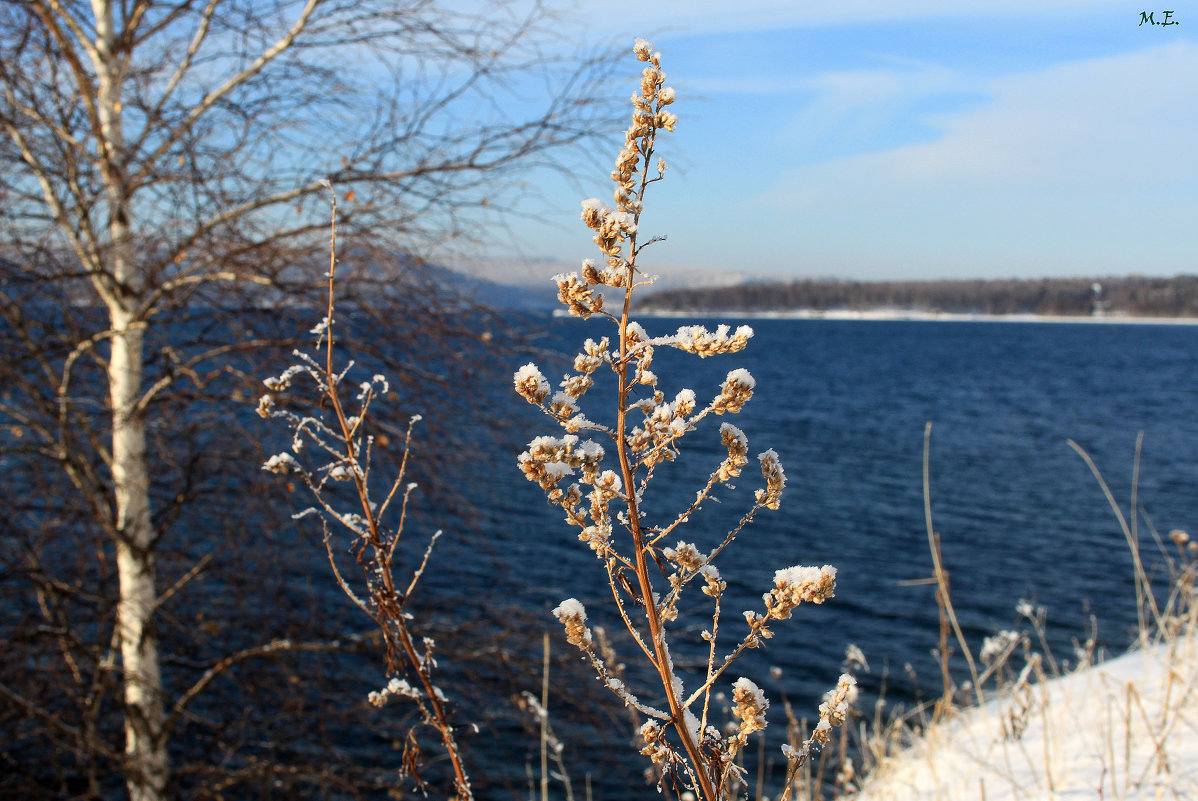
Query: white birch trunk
147,770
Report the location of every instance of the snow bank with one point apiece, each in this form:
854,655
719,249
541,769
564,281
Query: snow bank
1125,729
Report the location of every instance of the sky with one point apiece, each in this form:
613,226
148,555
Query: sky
906,140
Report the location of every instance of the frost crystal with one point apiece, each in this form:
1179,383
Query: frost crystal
693,725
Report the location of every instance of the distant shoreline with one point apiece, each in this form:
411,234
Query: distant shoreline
905,315
1126,299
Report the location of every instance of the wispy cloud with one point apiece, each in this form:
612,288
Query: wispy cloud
1083,166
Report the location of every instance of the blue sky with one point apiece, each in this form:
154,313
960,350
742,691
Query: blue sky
908,140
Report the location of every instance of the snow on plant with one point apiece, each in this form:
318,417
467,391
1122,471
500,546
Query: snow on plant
598,474
334,444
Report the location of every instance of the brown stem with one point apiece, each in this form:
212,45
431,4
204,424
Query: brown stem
389,603
656,633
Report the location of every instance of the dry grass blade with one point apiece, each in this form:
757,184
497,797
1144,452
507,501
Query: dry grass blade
1145,599
943,594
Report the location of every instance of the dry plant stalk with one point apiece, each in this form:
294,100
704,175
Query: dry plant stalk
336,448
647,576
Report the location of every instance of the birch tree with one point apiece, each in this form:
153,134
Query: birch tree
162,156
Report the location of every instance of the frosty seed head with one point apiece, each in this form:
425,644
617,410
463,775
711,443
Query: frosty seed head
589,273
713,585
549,459
738,452
281,463
735,393
750,705
832,712
656,747
593,213
636,334
686,555
573,616
698,340
563,405
684,403
531,385
797,584
597,537
396,688
837,702
283,380
595,349
585,364
775,480
608,482
998,646
575,386
576,295
342,472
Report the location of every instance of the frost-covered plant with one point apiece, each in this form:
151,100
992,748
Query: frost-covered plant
331,447
649,567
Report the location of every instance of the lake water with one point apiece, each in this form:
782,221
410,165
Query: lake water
845,404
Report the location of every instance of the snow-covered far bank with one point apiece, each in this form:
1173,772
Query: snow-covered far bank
908,314
1124,729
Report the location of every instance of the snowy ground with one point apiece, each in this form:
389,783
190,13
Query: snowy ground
912,314
1126,729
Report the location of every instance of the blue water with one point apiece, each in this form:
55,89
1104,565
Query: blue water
845,405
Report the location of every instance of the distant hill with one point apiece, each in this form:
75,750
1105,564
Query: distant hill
527,283
1132,296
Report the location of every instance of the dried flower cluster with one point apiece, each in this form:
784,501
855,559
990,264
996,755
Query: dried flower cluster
605,503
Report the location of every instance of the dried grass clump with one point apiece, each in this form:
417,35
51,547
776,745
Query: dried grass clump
599,474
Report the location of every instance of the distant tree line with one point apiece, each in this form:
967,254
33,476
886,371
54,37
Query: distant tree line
1132,295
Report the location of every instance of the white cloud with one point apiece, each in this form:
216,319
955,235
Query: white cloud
865,101
1124,120
1088,166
